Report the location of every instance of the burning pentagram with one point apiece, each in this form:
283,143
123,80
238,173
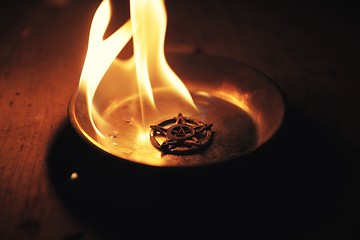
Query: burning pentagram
182,135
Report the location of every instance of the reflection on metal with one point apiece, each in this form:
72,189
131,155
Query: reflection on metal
181,135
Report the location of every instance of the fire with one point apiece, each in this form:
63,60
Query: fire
123,98
147,28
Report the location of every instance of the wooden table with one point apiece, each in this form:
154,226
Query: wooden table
303,185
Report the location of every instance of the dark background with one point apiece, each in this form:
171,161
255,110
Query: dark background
303,184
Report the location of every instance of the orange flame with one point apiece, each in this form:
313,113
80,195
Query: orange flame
147,27
124,97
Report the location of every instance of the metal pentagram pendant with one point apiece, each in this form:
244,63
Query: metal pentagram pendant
180,135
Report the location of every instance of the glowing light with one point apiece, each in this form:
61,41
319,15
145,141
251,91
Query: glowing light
147,28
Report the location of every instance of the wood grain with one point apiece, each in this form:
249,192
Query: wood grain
310,50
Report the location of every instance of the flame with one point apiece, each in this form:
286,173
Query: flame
147,28
101,53
123,97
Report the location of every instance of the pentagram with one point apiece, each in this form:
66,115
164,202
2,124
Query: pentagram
182,135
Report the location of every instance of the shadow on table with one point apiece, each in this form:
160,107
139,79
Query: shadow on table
290,174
